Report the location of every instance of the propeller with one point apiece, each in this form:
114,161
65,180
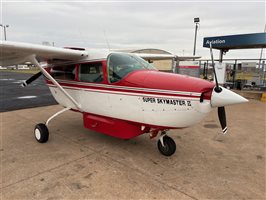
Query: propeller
218,89
222,119
31,79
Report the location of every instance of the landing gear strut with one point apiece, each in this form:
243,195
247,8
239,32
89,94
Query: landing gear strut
41,131
166,145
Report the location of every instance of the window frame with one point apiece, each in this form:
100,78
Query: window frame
65,65
122,78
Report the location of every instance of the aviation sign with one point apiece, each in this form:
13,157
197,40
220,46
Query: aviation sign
243,41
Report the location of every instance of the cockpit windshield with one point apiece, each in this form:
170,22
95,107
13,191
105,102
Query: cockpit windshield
119,65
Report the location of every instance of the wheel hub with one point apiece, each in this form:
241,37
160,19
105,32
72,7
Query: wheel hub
165,148
37,134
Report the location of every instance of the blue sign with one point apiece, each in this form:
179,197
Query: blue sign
244,41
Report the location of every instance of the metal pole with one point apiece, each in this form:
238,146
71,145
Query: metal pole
221,56
234,74
177,67
204,70
260,64
207,70
263,72
173,65
195,39
5,32
200,68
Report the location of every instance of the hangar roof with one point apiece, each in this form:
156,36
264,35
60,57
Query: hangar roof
155,51
147,50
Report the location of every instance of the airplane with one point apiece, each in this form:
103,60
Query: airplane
121,94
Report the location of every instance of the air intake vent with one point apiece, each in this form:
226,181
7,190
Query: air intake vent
75,48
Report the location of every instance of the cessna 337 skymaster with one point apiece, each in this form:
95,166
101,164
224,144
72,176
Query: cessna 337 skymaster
120,94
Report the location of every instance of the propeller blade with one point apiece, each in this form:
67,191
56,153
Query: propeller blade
222,119
31,79
217,88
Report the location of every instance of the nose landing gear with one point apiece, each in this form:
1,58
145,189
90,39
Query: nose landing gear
166,145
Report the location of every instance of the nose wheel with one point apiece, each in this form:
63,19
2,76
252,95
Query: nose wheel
166,145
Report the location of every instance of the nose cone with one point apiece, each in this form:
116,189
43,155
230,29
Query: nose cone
226,97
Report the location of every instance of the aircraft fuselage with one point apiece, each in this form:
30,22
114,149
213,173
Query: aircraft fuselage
144,97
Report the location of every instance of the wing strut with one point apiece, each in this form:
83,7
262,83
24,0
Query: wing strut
47,75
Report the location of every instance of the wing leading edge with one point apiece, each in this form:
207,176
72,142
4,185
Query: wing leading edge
12,53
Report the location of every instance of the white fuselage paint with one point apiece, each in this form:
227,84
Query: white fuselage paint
153,109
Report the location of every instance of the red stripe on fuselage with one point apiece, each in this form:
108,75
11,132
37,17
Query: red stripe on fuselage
110,89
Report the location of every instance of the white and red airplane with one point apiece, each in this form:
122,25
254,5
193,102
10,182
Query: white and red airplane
120,94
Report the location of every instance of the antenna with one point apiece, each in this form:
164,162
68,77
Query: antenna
106,40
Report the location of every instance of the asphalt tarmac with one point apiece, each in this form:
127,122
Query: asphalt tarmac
15,97
77,163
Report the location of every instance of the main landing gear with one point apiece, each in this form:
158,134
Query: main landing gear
41,131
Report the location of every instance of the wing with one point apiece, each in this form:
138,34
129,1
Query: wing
165,56
12,53
182,58
151,56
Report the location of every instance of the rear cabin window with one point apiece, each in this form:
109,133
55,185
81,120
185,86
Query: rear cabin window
66,72
91,72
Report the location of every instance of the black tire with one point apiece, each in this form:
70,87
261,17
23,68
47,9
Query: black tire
169,146
41,133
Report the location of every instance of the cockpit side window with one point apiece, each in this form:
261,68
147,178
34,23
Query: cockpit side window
119,65
91,72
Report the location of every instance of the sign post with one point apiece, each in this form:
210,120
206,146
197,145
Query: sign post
220,71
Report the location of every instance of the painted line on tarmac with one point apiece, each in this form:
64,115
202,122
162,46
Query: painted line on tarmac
27,97
19,81
7,79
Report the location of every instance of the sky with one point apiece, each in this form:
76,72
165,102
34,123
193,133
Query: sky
166,25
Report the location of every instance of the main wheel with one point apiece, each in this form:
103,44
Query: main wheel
169,146
41,133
